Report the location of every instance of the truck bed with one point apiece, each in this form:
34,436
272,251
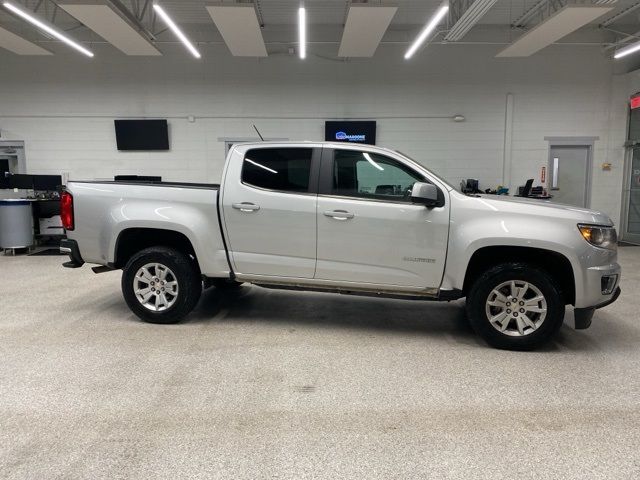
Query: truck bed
107,212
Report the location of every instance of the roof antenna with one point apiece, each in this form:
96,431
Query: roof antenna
258,132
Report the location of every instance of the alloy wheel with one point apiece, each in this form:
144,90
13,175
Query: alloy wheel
516,308
155,287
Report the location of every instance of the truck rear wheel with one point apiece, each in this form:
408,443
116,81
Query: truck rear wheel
515,306
161,285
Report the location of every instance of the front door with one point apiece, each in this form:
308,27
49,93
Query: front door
569,177
369,231
269,204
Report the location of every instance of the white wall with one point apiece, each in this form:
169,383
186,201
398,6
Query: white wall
63,108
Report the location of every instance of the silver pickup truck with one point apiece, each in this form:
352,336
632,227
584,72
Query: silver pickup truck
352,219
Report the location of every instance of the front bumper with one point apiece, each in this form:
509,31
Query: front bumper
70,247
613,298
583,316
589,283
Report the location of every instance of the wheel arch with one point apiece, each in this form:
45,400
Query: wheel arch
133,240
554,263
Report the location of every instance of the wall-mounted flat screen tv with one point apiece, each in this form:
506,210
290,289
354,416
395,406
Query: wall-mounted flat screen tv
21,181
47,183
142,135
350,131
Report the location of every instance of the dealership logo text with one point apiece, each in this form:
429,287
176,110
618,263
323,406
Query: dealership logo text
349,138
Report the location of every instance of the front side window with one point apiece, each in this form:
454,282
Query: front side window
283,169
374,176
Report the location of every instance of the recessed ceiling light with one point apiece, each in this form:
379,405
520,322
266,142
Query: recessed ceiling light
176,30
628,50
302,32
428,29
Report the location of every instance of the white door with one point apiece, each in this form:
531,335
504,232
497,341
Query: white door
369,231
269,207
570,175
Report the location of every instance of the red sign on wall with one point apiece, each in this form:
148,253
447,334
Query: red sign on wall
635,102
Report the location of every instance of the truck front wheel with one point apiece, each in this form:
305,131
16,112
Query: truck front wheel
515,306
161,285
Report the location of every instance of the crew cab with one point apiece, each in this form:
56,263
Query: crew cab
346,218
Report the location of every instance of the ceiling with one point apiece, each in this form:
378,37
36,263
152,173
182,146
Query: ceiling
326,19
333,12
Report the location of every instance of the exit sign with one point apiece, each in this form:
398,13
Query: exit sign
635,102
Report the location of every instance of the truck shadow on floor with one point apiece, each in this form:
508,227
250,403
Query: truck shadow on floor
251,304
320,310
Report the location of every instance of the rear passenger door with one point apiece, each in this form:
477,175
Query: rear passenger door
269,203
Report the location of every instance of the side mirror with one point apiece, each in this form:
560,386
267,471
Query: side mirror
425,193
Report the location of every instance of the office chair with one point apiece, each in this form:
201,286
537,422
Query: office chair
526,190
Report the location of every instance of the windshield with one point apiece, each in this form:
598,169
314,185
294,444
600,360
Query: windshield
429,170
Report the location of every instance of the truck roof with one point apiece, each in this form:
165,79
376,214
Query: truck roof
310,143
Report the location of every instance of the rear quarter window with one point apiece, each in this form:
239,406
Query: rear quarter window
282,169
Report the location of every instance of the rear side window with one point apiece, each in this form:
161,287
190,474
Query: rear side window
283,169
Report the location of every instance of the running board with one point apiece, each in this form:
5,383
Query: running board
431,294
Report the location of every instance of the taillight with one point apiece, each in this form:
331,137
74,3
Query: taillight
66,210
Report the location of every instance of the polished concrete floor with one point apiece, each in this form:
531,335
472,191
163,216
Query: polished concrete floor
270,384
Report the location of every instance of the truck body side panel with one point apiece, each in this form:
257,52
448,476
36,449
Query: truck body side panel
104,210
478,222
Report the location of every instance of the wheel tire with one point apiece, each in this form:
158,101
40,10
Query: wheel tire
180,266
479,308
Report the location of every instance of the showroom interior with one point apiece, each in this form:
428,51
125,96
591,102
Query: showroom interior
498,99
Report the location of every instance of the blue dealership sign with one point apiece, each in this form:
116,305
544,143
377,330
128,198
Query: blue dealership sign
351,131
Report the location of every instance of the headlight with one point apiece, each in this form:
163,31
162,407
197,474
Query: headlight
603,237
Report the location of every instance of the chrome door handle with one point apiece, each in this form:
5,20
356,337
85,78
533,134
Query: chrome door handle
246,206
339,214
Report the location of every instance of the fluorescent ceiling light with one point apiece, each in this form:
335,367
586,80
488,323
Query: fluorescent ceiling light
174,28
240,29
364,28
370,160
302,32
628,50
433,23
19,45
566,20
47,27
103,20
468,19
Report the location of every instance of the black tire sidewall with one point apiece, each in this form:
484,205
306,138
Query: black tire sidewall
476,301
186,273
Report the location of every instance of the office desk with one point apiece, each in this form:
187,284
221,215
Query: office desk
536,197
